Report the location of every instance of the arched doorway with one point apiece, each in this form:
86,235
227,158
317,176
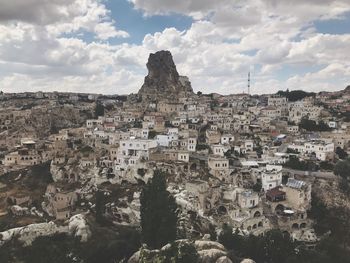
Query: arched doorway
222,210
257,214
295,226
193,167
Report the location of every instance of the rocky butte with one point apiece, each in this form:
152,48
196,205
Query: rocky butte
163,81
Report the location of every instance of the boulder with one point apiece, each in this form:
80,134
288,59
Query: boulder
79,228
223,259
207,244
210,255
27,234
208,252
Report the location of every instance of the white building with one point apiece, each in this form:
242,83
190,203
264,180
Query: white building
321,149
271,177
219,149
227,138
165,140
192,143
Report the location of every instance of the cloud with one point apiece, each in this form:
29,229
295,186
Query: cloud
41,49
62,16
195,8
35,11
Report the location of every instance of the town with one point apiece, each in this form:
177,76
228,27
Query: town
248,163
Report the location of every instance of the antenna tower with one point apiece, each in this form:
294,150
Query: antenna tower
249,82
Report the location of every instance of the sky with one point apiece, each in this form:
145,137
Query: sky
102,46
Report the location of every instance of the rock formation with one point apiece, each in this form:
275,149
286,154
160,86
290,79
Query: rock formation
208,252
29,233
77,227
163,80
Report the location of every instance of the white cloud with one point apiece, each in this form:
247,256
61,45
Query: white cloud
225,40
62,16
106,30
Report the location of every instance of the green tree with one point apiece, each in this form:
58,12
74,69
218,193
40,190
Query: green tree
158,212
99,109
295,95
341,153
342,168
294,163
54,249
257,187
152,134
278,246
99,206
311,125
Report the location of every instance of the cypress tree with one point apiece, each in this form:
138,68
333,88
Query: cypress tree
158,212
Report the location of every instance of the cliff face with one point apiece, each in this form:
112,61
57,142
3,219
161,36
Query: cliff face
163,80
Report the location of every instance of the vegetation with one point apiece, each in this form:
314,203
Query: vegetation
141,172
105,245
296,164
259,150
158,212
201,147
294,151
99,206
335,220
99,109
257,187
327,165
341,153
295,95
342,169
138,124
152,134
86,150
274,246
310,125
278,247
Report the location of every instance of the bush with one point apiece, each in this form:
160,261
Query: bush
152,134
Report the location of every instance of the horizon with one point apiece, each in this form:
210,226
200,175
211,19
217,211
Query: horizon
204,94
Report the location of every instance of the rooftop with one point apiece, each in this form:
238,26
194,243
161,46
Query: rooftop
293,183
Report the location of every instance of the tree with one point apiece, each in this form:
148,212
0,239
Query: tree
295,95
99,206
257,187
158,212
275,246
341,153
48,249
278,246
311,125
342,168
152,134
296,164
99,109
